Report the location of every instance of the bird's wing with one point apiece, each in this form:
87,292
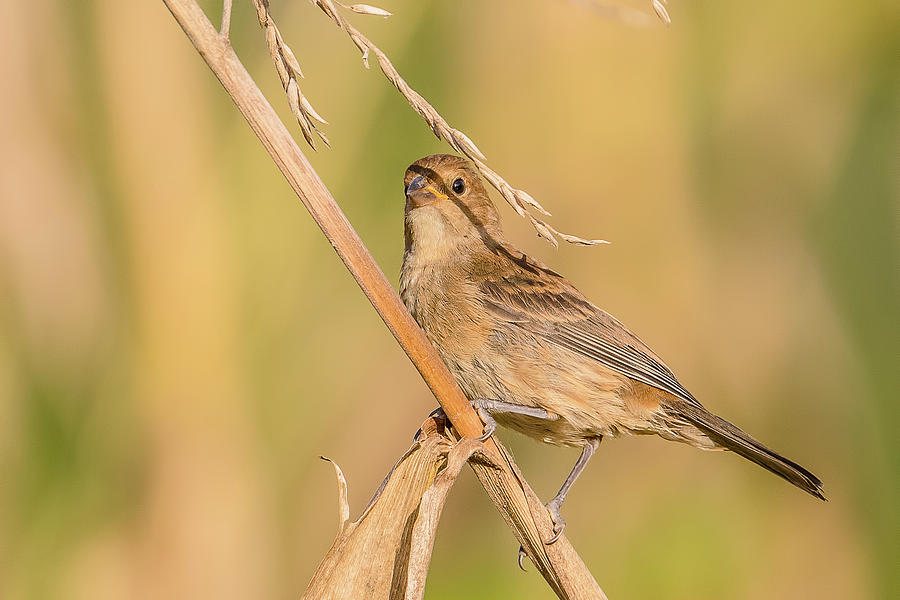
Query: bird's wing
545,304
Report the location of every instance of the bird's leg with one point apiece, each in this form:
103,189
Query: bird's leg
486,406
554,505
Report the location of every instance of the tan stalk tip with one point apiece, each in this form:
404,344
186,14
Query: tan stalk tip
312,112
661,12
544,231
291,60
368,9
469,146
527,199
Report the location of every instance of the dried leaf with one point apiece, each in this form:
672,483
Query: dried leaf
430,508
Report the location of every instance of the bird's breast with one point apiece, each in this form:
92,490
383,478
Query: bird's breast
441,300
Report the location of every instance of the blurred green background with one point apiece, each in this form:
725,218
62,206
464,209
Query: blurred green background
178,343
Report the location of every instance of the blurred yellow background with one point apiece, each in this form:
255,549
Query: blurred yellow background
179,344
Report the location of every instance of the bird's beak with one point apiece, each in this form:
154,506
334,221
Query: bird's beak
421,193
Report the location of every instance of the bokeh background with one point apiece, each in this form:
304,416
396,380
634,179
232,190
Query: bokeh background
179,344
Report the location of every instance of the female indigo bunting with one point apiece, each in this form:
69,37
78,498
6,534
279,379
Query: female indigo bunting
528,349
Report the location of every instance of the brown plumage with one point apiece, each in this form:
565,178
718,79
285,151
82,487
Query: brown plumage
519,338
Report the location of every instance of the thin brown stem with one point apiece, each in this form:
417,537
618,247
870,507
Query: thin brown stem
560,565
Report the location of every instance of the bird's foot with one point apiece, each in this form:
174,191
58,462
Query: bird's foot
558,522
481,406
490,425
558,525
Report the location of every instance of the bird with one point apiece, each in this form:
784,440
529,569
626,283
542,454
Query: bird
529,350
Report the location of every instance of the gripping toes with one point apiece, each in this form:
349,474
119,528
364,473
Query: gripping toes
558,522
486,406
490,425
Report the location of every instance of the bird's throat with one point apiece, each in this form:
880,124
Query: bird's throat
429,237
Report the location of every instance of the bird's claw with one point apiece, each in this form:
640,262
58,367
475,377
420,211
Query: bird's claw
558,523
489,430
490,425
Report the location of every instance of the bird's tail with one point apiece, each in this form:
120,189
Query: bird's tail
730,437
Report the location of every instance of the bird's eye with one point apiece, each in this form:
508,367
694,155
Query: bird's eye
459,186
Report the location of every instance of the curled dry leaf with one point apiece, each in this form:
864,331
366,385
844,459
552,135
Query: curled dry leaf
430,508
387,550
343,496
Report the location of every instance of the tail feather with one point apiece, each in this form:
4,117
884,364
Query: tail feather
730,437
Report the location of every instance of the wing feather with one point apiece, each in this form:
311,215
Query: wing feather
545,304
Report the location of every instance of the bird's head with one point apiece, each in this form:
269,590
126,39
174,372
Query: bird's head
447,207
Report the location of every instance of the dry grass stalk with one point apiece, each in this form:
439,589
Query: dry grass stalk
289,73
517,503
518,199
